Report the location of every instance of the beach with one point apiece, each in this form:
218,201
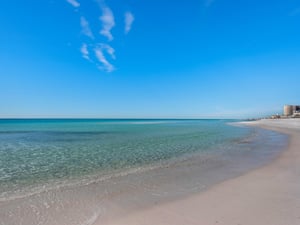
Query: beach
91,172
267,195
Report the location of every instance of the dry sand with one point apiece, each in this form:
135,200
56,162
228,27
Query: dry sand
269,195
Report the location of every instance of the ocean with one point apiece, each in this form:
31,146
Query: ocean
69,171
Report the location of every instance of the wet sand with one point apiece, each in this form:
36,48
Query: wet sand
268,195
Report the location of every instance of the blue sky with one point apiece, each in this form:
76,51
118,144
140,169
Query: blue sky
148,58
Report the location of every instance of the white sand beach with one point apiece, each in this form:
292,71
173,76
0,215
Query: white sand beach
269,195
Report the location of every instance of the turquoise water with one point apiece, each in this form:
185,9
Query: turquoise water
76,171
43,152
37,151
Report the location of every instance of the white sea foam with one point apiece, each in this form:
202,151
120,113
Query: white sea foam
56,185
92,219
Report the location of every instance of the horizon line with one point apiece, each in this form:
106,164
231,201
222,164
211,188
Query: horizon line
115,118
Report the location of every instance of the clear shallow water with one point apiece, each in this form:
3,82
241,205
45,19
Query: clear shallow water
49,168
35,152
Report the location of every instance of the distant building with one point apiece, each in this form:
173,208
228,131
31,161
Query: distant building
291,110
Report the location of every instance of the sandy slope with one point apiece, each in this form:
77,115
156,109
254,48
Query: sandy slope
267,196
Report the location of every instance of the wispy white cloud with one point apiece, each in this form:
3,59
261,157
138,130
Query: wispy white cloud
108,49
99,52
85,28
108,22
74,3
129,18
84,51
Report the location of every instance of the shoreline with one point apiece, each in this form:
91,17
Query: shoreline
267,195
130,198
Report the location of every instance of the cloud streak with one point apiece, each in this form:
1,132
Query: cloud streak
108,22
99,52
84,51
95,46
85,27
74,3
109,50
129,18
